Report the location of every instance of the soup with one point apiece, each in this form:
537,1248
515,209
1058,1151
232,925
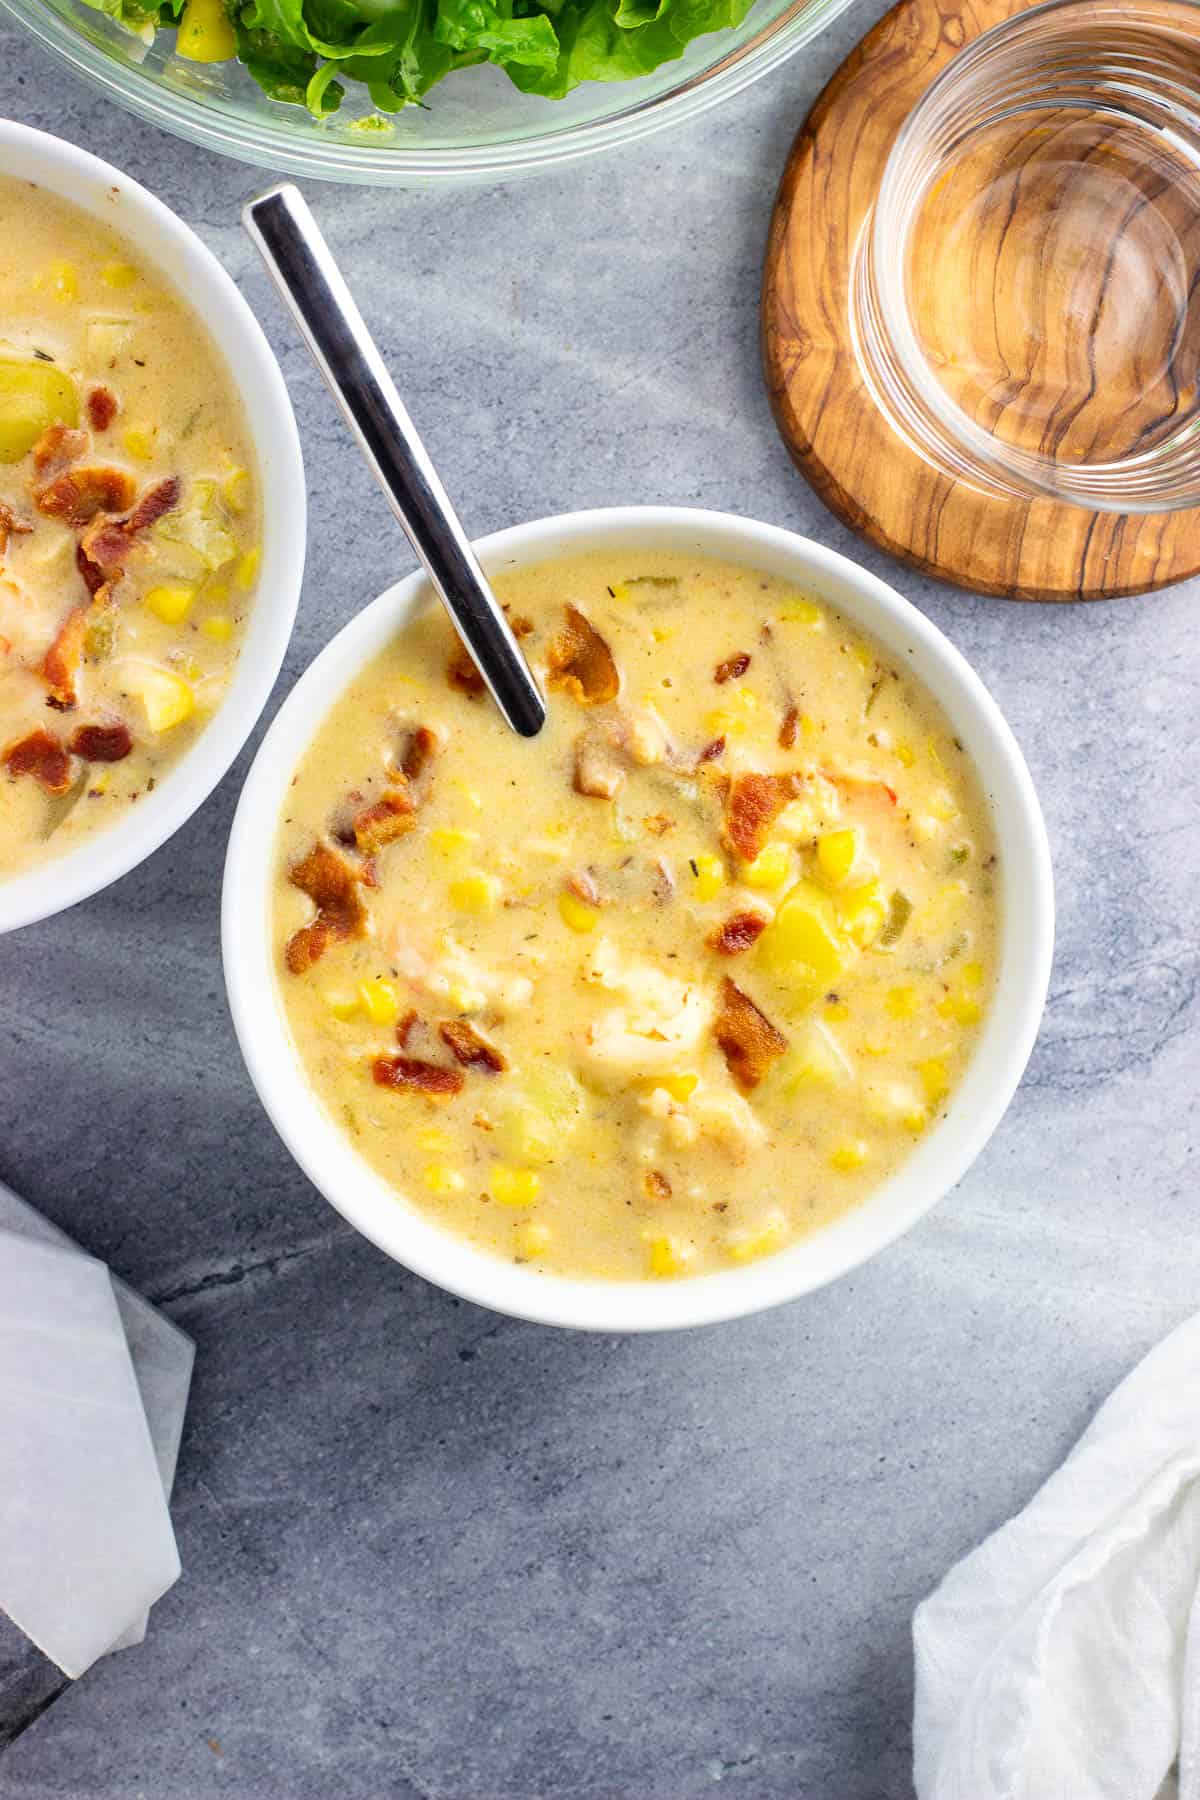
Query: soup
670,986
129,528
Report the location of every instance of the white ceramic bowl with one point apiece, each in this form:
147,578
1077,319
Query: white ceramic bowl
166,244
939,1158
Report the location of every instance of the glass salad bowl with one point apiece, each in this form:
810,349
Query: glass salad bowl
473,125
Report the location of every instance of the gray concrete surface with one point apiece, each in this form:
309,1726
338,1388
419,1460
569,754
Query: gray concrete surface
429,1552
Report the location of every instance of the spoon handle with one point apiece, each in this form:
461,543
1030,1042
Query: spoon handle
303,269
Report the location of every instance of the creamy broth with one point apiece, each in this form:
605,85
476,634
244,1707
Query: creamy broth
129,526
673,984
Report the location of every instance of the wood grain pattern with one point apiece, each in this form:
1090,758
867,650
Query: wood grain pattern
1040,550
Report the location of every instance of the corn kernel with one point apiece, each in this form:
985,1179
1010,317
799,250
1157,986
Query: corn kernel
972,974
749,1246
380,1001
915,1120
448,841
513,1187
170,604
862,656
342,1006
836,852
680,1086
533,1239
836,1011
138,443
851,1153
802,612
941,805
808,726
246,572
662,634
118,275
235,490
935,1079
905,755
875,1046
218,627
576,914
475,894
901,1002
619,590
433,1139
710,875
962,1008
770,868
663,1257
862,912
439,1178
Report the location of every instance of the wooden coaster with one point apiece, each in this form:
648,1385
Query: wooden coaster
1040,550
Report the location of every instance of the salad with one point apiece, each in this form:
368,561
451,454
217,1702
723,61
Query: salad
307,52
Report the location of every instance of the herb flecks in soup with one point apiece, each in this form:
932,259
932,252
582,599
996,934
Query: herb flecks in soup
666,988
128,527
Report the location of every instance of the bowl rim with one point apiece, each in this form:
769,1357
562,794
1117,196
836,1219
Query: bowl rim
940,1158
161,239
278,147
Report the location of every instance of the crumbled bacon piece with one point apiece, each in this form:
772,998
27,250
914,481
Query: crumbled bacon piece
102,743
411,1074
461,672
469,1048
78,494
101,408
93,574
787,731
41,755
386,819
656,1185
420,747
581,663
57,448
106,542
738,933
60,665
406,1026
748,1040
582,883
711,751
732,669
869,786
753,804
10,526
332,885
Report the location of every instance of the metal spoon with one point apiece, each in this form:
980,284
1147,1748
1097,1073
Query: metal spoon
304,271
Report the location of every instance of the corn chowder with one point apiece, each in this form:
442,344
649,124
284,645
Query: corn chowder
669,986
129,526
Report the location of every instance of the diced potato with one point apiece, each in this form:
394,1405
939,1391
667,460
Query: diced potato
576,914
814,1057
105,340
380,1001
541,1114
170,604
246,572
850,1154
802,947
836,1011
477,893
440,1178
513,1187
235,490
836,851
762,1240
709,876
770,868
33,396
206,33
167,698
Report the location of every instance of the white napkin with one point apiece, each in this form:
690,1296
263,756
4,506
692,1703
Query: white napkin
1061,1660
